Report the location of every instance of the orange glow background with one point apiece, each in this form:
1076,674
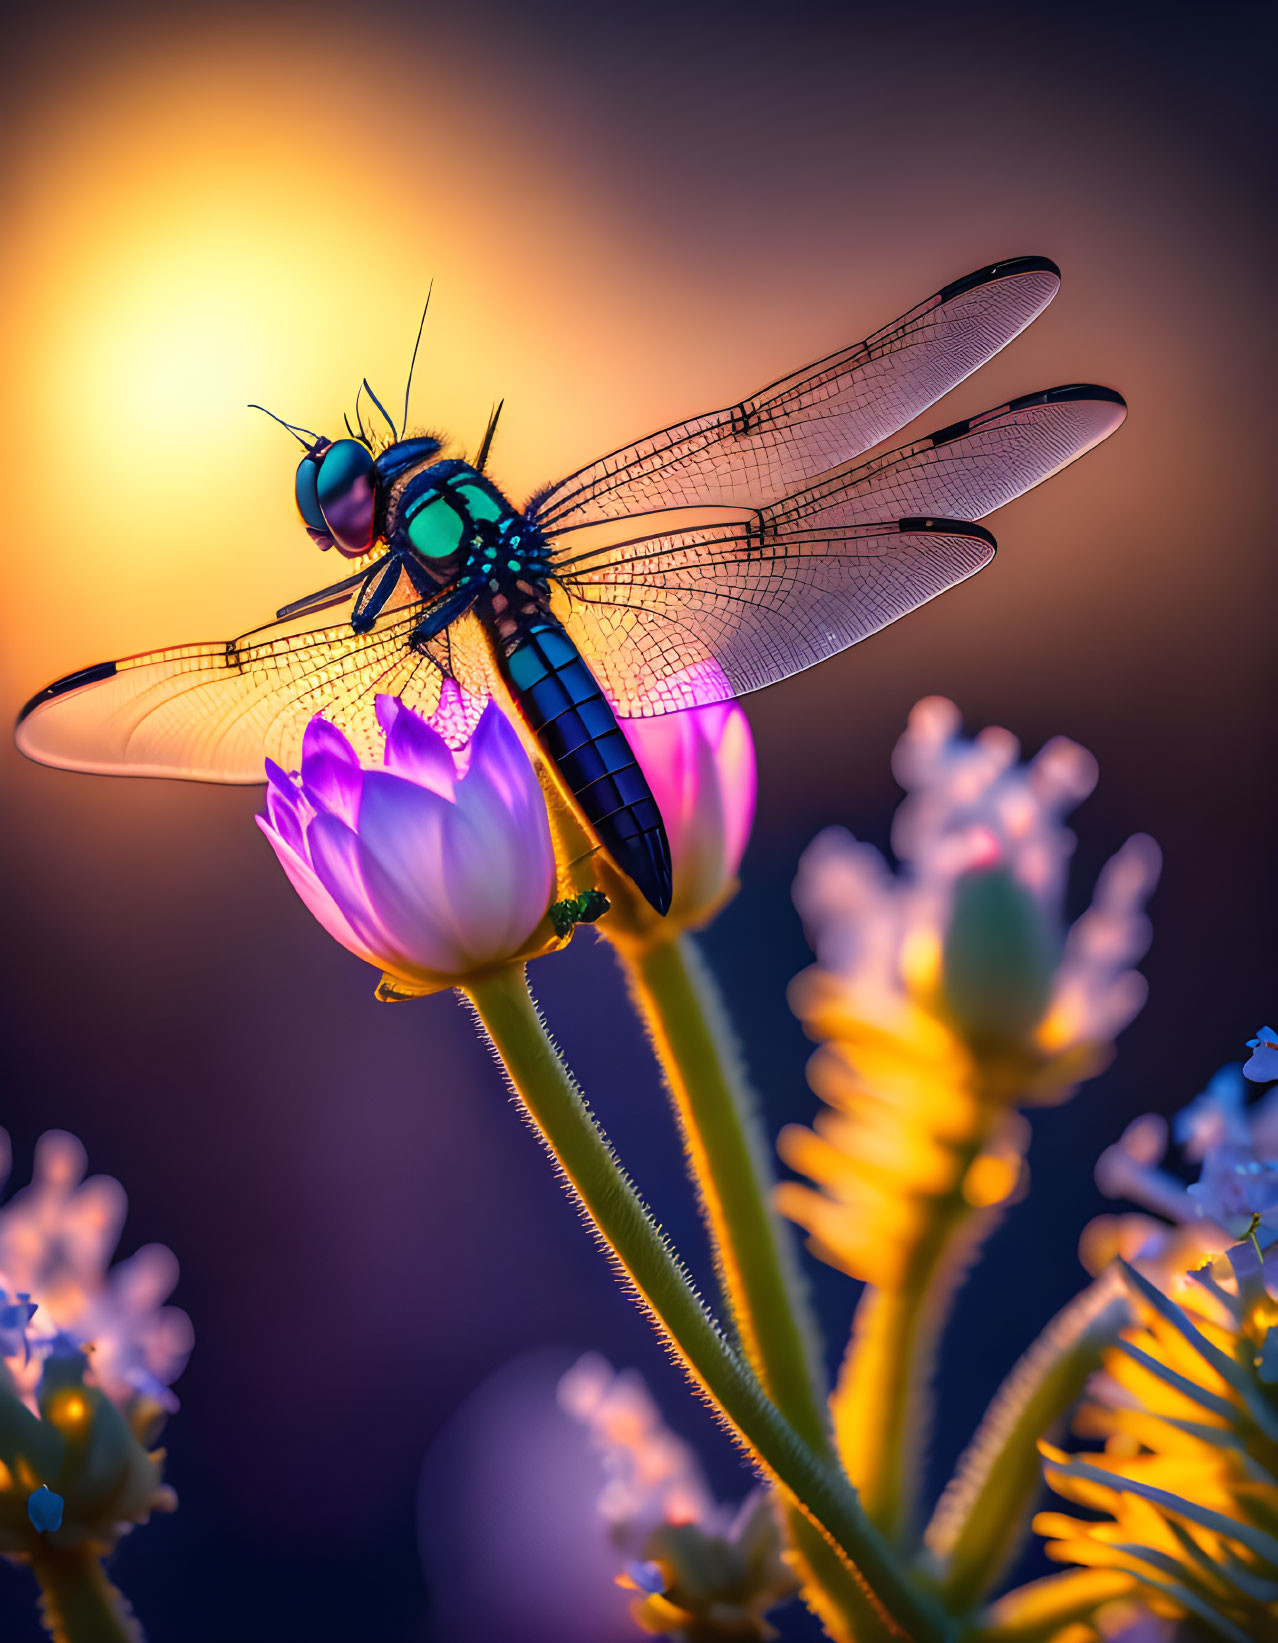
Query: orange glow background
627,221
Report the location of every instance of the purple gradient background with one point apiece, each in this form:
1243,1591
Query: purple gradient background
366,1230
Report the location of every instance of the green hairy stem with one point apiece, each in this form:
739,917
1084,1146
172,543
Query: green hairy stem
984,1514
677,1000
559,1113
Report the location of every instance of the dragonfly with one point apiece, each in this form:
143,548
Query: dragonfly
801,546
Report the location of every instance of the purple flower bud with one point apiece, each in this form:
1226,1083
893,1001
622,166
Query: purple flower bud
433,867
700,765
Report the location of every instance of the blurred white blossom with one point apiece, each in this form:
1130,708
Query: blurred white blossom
972,809
947,993
695,1567
652,1476
57,1238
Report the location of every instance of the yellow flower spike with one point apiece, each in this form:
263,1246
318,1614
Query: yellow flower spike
946,995
1186,1488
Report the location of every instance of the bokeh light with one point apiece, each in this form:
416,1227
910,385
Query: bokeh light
628,219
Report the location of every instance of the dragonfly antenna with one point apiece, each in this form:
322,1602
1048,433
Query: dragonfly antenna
487,446
295,429
381,408
408,386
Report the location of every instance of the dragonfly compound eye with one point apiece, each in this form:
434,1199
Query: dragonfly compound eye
304,489
344,493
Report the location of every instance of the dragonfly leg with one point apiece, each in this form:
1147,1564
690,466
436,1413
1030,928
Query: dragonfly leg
441,616
379,584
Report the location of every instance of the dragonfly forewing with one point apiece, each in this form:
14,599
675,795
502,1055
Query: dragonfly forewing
762,447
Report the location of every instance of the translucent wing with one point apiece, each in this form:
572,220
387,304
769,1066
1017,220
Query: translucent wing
215,712
972,467
668,621
699,616
753,452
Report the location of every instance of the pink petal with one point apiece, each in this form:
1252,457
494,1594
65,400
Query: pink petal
334,786
739,779
503,856
415,750
700,766
302,877
322,737
388,709
402,864
497,753
334,855
282,811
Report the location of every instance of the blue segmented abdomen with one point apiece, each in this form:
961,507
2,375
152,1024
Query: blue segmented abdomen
576,727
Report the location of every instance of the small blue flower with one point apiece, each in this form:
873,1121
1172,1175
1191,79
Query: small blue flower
646,1577
44,1508
15,1315
1263,1066
1217,1117
1237,1190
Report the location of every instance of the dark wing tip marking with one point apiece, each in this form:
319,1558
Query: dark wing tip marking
946,527
70,681
1071,392
998,271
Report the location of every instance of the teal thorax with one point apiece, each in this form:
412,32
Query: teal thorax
485,557
464,532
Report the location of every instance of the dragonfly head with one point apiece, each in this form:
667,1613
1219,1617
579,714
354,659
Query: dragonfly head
336,495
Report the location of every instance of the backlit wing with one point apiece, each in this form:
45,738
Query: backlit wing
215,712
972,467
698,615
754,452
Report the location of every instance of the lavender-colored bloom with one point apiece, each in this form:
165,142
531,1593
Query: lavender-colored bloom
60,1292
433,868
87,1353
1237,1190
1128,1169
1217,1117
1263,1065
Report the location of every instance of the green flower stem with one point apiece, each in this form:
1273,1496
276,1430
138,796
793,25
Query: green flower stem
677,1000
80,1605
882,1399
984,1514
559,1113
